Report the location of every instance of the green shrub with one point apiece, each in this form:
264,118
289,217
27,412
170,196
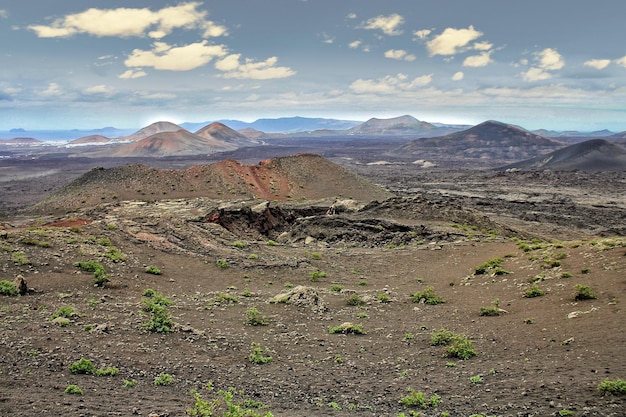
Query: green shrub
461,348
255,318
533,291
354,300
492,310
615,387
99,273
20,258
336,288
490,264
418,399
8,288
163,379
316,275
115,255
347,328
108,371
239,244
257,356
442,337
83,366
129,383
583,292
64,311
225,404
222,263
427,296
151,269
73,389
383,298
160,320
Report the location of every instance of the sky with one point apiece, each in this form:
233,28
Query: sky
552,64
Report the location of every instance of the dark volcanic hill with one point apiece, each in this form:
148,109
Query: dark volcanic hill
177,143
592,155
395,126
306,176
489,141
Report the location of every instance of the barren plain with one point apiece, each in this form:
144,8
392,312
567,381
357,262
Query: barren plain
317,305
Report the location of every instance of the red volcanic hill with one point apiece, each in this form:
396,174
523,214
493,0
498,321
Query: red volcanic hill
154,128
490,140
305,176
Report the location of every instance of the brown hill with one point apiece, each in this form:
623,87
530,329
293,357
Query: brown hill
225,134
91,139
20,141
591,155
394,126
178,143
490,140
305,176
154,128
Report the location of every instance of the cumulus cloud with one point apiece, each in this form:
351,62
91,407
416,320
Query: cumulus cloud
458,76
351,16
132,74
389,25
480,60
545,61
354,44
3,14
422,34
128,22
483,46
400,55
598,64
390,84
621,61
249,69
97,89
452,41
179,58
53,90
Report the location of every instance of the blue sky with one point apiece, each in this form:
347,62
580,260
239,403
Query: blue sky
556,64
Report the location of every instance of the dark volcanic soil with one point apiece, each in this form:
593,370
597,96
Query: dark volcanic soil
348,262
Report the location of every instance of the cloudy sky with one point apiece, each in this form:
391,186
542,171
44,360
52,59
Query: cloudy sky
557,64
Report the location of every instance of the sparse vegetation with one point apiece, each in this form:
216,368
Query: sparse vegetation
315,276
108,371
533,291
354,300
492,310
160,321
100,274
613,387
419,399
73,390
163,379
20,258
222,263
347,328
255,318
489,266
583,292
257,355
457,346
151,269
8,289
225,404
83,366
427,296
64,311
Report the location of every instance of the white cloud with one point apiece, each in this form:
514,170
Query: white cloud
53,90
180,58
399,54
621,61
264,70
390,84
550,59
351,16
536,74
128,22
545,61
452,41
598,64
422,34
389,25
4,14
354,44
480,60
97,89
132,74
483,46
458,76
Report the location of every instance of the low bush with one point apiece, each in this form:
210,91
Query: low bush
614,387
255,318
533,291
73,389
83,366
257,356
8,288
347,328
163,379
419,399
427,296
583,292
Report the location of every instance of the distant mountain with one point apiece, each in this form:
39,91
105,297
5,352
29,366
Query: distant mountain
572,133
490,140
172,143
154,128
223,133
395,126
21,141
282,125
591,155
90,140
